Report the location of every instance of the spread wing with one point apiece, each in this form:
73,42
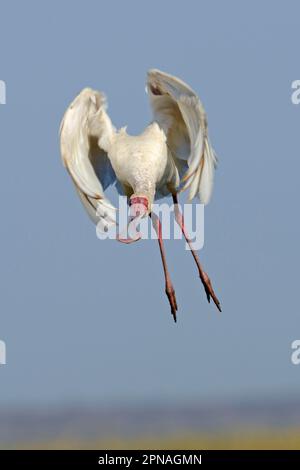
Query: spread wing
181,115
85,135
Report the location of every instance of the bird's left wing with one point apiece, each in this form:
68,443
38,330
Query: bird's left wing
181,115
85,135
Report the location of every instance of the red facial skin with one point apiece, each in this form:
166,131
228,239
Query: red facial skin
138,207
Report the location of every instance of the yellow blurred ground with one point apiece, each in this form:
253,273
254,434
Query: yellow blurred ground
239,439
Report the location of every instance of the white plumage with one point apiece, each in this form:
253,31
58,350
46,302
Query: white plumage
172,154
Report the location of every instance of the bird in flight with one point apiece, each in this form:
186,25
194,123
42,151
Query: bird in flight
171,155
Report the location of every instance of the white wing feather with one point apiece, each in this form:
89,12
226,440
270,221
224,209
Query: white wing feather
180,113
85,135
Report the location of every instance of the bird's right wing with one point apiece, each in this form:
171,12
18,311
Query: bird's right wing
180,113
85,135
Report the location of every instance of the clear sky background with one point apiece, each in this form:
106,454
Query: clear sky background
87,321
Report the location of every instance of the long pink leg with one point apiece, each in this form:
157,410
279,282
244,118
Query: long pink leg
169,286
203,276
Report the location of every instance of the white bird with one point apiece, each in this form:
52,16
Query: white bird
172,154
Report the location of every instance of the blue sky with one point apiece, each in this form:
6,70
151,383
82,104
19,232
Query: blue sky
88,321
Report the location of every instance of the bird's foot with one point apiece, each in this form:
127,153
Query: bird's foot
209,290
172,299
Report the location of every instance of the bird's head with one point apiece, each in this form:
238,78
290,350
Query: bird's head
139,208
139,205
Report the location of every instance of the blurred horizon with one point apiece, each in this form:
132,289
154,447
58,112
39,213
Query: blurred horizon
236,425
